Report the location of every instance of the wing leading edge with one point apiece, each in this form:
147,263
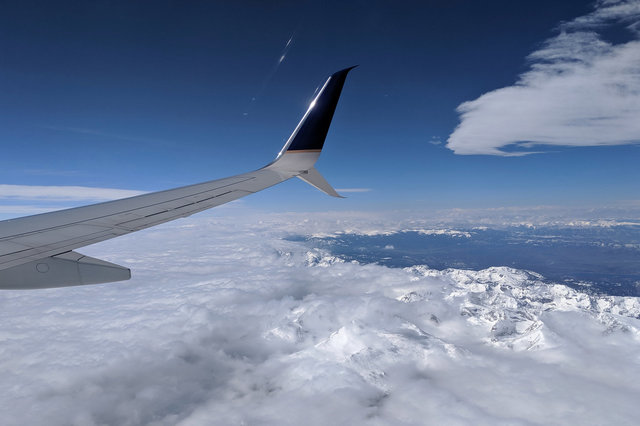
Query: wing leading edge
37,251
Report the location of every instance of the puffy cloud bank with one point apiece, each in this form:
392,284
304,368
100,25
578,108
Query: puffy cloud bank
225,322
581,90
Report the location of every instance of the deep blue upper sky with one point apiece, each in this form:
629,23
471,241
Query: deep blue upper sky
152,95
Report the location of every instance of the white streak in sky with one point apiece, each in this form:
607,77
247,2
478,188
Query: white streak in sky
581,90
274,70
286,50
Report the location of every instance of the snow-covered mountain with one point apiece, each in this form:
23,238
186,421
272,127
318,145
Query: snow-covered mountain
225,322
514,306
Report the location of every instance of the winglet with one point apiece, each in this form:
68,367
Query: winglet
313,128
303,147
314,178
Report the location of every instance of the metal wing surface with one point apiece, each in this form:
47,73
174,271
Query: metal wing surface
37,251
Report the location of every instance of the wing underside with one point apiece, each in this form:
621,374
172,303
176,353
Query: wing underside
37,251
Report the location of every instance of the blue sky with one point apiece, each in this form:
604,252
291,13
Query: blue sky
132,96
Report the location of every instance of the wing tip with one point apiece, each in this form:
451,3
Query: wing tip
345,70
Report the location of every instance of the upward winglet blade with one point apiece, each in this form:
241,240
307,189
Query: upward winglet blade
303,147
310,134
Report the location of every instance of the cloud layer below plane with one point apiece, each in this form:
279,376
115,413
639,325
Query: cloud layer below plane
225,320
580,91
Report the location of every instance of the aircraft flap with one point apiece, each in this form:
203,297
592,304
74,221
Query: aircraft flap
64,270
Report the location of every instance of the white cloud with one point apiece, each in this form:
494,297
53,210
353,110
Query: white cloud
63,193
580,91
225,320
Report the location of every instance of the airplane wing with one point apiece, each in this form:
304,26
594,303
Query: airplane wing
37,251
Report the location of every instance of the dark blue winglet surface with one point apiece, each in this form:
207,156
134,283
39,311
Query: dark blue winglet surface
312,133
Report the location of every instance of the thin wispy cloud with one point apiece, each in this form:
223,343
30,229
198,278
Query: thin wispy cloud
63,193
354,189
109,135
50,172
580,90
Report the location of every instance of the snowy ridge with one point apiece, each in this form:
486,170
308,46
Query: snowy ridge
511,304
